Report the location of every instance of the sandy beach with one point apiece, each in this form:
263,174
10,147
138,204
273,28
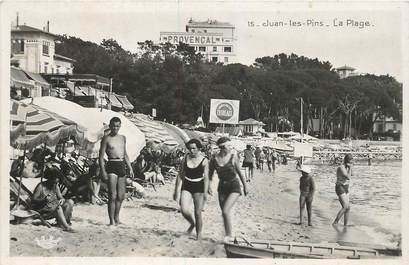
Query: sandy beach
153,227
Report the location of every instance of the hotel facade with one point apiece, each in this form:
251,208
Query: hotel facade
213,39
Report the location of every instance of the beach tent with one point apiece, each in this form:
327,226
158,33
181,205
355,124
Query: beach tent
135,139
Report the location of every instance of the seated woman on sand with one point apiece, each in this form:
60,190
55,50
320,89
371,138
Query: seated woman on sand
227,165
49,202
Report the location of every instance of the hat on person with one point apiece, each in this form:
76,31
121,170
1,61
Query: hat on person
305,169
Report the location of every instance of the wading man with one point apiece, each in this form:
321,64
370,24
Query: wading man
114,146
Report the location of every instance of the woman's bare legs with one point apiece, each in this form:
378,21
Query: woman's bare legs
185,208
198,202
226,204
344,200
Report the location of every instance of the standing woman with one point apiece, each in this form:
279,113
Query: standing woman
344,173
193,180
227,165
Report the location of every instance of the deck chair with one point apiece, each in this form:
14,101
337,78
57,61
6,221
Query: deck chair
71,188
25,200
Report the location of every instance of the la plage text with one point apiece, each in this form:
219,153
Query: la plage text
336,22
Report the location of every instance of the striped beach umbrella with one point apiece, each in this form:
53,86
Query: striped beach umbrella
178,134
43,126
153,130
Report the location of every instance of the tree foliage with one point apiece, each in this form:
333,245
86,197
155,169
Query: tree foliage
176,81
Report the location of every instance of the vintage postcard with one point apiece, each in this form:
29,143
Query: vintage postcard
176,132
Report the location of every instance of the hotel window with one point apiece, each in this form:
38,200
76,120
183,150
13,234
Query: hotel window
193,30
17,46
394,127
45,69
226,59
217,39
205,30
215,49
202,49
227,49
46,48
214,59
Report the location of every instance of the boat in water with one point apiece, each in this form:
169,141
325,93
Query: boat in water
242,248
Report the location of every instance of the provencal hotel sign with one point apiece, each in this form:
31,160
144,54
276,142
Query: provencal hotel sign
191,39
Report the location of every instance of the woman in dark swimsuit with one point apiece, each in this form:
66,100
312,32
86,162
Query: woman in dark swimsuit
193,180
227,165
344,173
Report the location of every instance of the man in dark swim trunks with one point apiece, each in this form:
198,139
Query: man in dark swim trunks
114,146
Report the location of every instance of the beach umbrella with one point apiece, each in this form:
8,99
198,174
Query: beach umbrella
175,133
193,135
135,139
41,127
153,130
93,131
176,130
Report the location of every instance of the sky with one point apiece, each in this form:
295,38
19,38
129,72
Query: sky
372,48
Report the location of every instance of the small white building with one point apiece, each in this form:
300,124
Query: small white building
215,40
386,124
33,50
251,126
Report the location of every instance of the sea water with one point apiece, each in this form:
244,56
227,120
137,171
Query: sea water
375,194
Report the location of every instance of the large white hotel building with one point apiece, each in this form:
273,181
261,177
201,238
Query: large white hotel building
213,39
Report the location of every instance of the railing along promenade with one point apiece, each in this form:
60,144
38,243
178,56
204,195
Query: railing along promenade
358,155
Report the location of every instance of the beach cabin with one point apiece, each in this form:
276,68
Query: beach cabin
251,127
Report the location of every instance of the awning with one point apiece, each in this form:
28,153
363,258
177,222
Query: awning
76,91
100,80
19,79
125,103
114,101
38,79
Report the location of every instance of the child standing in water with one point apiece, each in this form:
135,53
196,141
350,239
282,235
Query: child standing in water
307,189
